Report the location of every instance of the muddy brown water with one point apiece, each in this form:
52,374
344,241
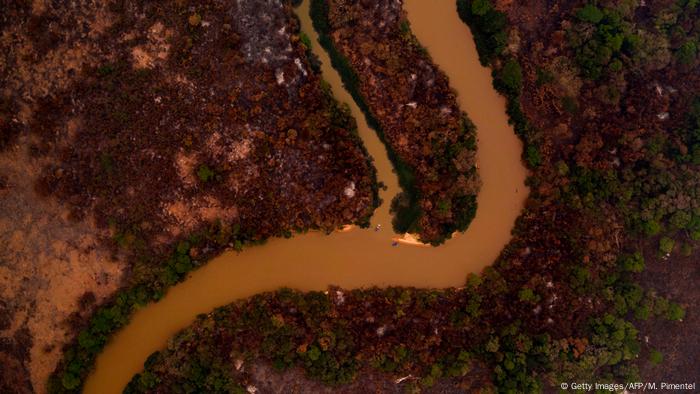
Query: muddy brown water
360,257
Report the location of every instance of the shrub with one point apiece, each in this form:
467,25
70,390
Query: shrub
632,263
642,312
532,156
511,78
481,7
527,295
305,40
666,245
675,312
651,227
590,13
686,249
687,52
661,306
205,173
680,220
656,357
70,381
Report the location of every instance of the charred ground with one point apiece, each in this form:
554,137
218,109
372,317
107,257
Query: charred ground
431,142
141,138
604,95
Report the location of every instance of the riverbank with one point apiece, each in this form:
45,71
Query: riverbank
562,303
357,258
430,140
138,148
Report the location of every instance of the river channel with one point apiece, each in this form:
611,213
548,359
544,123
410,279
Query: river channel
360,257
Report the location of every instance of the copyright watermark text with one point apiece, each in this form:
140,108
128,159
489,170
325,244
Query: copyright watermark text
628,386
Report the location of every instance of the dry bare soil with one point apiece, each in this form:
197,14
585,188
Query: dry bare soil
128,126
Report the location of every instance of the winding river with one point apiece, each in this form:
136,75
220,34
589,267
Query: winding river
361,257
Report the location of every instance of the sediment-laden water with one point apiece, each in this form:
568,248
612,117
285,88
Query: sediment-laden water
361,257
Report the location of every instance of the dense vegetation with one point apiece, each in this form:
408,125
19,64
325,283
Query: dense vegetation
490,35
399,331
433,151
409,211
611,133
270,168
611,136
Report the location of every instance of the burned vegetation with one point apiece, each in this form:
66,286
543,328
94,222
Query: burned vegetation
156,134
408,100
205,113
605,97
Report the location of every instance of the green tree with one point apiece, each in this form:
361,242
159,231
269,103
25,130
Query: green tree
511,77
666,245
687,52
481,7
205,173
656,357
633,262
590,13
675,312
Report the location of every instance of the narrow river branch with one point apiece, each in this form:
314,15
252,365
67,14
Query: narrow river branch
358,258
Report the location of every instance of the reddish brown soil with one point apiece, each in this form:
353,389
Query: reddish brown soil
244,102
142,123
679,341
294,381
47,263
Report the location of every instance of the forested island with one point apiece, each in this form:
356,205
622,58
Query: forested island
409,102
